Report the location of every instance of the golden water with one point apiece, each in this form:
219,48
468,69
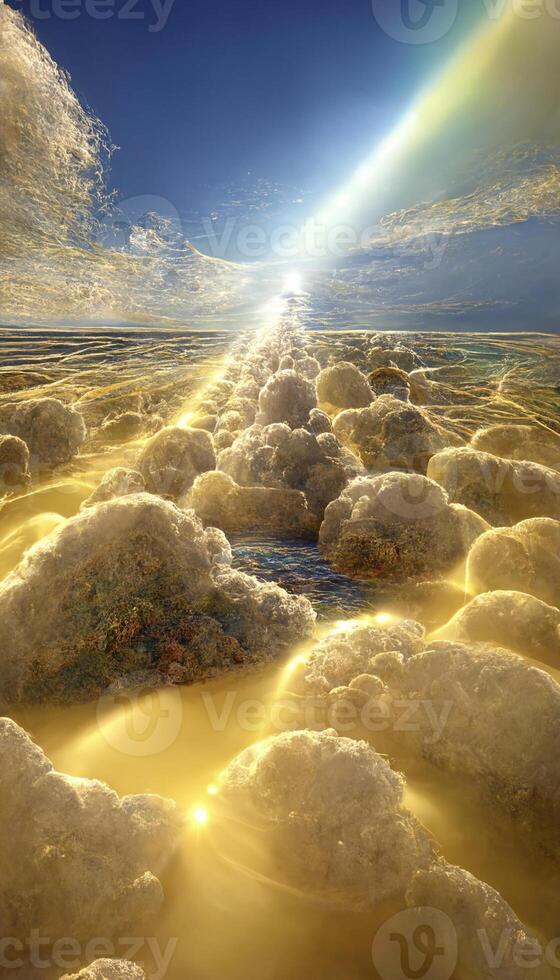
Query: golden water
227,905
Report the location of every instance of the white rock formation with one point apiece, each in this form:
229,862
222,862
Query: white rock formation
471,690
391,435
295,459
14,463
492,943
524,558
399,357
108,970
397,526
287,397
343,386
509,619
333,814
81,861
118,482
128,586
52,431
220,502
349,652
531,442
502,491
172,459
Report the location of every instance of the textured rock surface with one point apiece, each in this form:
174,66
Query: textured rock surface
277,456
220,502
401,357
116,483
287,397
391,435
171,461
524,558
14,463
510,619
52,431
127,586
483,922
348,653
390,381
87,859
396,527
332,811
108,970
127,425
500,490
531,442
343,386
471,689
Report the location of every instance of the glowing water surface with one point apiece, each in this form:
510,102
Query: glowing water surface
226,902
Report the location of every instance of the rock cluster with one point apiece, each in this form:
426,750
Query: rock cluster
336,827
390,435
52,431
87,859
395,527
470,688
128,586
14,463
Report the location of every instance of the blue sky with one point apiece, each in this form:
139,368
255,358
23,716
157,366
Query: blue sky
294,91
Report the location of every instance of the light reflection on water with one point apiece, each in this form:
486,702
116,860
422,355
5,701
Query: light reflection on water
225,900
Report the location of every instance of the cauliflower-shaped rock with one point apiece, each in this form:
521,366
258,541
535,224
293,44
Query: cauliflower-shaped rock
391,435
390,381
14,462
220,502
108,970
481,921
172,459
332,810
319,422
343,386
502,491
471,690
116,483
294,459
87,859
52,431
524,442
396,526
510,619
348,653
287,397
524,558
128,586
398,357
128,425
